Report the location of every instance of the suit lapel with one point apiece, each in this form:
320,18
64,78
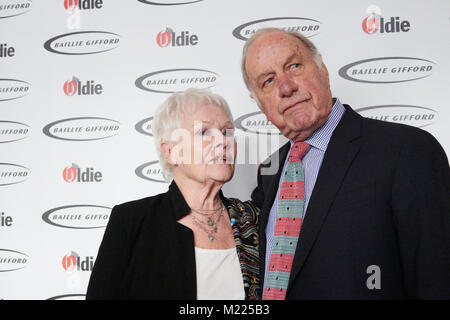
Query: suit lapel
341,150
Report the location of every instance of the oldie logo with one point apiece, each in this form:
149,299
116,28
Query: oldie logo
411,115
375,23
82,129
6,51
307,27
5,221
13,89
11,131
83,42
82,4
76,87
145,126
75,174
176,80
12,8
387,70
168,2
12,174
168,37
150,171
73,262
256,122
81,216
11,260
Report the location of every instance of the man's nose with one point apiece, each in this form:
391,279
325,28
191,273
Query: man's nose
287,86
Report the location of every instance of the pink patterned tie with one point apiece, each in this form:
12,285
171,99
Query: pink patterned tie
288,224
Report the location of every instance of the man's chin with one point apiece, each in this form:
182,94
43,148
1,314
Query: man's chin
299,129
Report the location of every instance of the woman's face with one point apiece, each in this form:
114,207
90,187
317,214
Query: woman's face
206,148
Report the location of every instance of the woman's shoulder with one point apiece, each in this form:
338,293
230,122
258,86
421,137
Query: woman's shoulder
244,221
242,206
244,210
139,208
138,204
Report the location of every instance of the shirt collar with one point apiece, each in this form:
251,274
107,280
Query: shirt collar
321,137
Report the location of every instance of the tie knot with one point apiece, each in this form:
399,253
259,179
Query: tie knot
298,150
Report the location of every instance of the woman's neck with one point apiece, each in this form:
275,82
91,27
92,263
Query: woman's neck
200,195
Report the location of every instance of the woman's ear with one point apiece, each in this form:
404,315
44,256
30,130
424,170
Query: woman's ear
166,148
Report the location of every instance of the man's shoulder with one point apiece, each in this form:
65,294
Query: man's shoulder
390,132
385,129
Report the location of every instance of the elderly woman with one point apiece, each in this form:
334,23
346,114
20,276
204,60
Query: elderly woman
190,242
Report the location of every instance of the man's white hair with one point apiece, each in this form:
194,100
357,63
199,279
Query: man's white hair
170,115
312,48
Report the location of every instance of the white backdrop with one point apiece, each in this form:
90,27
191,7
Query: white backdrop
78,89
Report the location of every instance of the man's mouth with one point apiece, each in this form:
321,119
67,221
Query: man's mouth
290,106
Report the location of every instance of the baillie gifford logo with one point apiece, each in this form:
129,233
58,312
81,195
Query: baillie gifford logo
176,80
13,8
145,126
256,122
11,260
375,23
12,174
170,38
83,42
78,216
150,171
82,129
417,116
307,26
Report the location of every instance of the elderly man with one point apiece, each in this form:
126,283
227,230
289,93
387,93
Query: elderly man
358,208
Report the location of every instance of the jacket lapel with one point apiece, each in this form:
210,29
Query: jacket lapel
341,150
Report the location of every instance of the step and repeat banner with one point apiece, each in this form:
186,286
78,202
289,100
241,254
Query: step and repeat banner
80,81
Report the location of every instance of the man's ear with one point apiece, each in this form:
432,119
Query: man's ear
324,69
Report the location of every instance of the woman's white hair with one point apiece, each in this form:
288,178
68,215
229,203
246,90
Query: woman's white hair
170,115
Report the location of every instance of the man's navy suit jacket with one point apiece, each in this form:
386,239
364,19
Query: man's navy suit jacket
381,199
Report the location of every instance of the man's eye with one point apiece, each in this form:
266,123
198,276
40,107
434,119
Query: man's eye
267,82
295,65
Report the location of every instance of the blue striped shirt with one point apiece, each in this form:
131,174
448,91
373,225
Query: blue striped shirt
312,161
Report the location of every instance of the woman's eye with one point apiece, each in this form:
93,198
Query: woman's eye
201,132
228,133
295,65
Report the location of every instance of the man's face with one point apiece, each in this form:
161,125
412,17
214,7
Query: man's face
292,90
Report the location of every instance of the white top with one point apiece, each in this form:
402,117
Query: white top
219,274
